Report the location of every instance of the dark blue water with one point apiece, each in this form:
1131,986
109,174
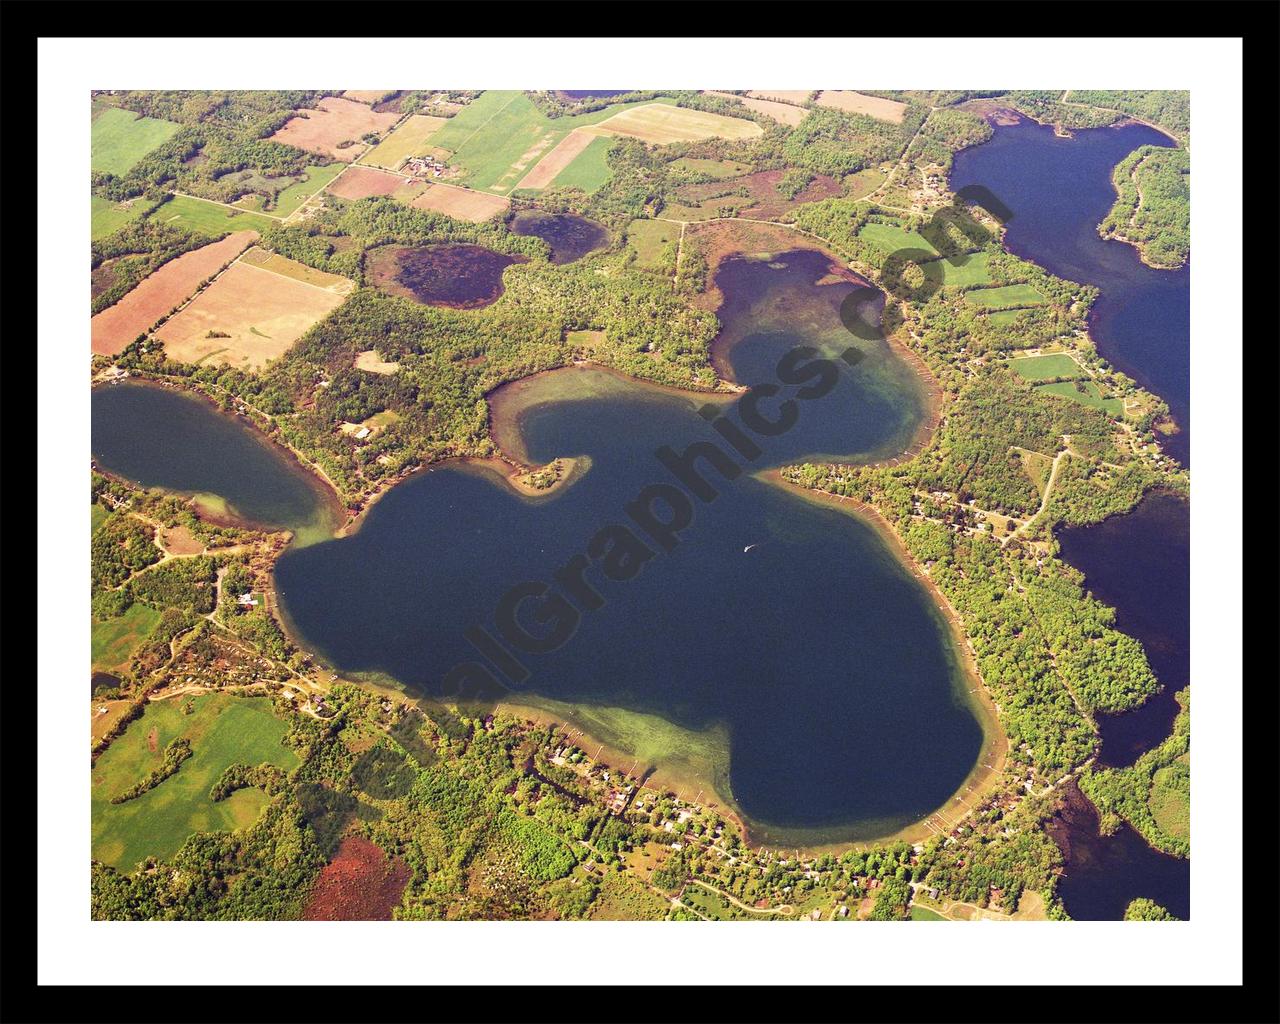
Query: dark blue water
826,663
159,437
1059,191
1140,564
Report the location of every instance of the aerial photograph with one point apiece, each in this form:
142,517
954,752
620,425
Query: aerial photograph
638,505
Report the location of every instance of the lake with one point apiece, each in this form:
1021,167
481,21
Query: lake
457,276
1059,191
163,438
570,237
781,644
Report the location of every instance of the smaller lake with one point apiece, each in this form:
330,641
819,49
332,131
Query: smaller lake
459,276
160,437
569,236
1140,564
1104,874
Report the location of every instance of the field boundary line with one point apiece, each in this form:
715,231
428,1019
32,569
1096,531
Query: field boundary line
318,287
238,209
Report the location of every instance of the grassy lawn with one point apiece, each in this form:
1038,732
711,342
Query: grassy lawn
120,138
500,129
98,514
648,238
106,216
1005,297
1046,367
314,178
974,270
209,218
925,914
589,169
1086,393
114,641
891,238
223,730
1004,316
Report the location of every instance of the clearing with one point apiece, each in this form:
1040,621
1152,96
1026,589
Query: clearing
858,103
106,216
120,138
461,203
1009,296
650,239
117,326
783,113
1050,367
360,884
659,124
334,128
254,312
1086,393
373,363
113,642
223,730
208,217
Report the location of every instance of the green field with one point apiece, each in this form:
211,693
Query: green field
1086,393
1004,316
500,129
98,514
106,216
414,137
974,270
925,914
120,138
1005,297
891,238
589,169
113,642
648,238
209,218
314,178
223,730
1046,367
1170,799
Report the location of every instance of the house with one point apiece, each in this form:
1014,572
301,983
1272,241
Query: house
362,433
246,601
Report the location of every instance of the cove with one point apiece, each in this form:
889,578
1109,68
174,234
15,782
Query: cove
1140,564
1059,191
163,438
801,666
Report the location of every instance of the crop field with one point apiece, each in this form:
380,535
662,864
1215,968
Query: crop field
113,641
783,113
120,138
461,203
500,136
1046,367
106,216
222,730
1086,393
1010,296
334,121
648,238
567,150
116,326
409,139
210,218
360,182
590,169
659,124
370,96
856,103
253,313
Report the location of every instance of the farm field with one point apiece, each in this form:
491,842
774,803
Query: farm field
648,238
783,113
499,136
106,216
253,313
1086,393
973,270
856,103
370,96
360,182
223,730
409,139
120,138
589,169
659,124
461,203
113,642
115,327
334,121
209,218
1046,367
891,238
1005,297
566,151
